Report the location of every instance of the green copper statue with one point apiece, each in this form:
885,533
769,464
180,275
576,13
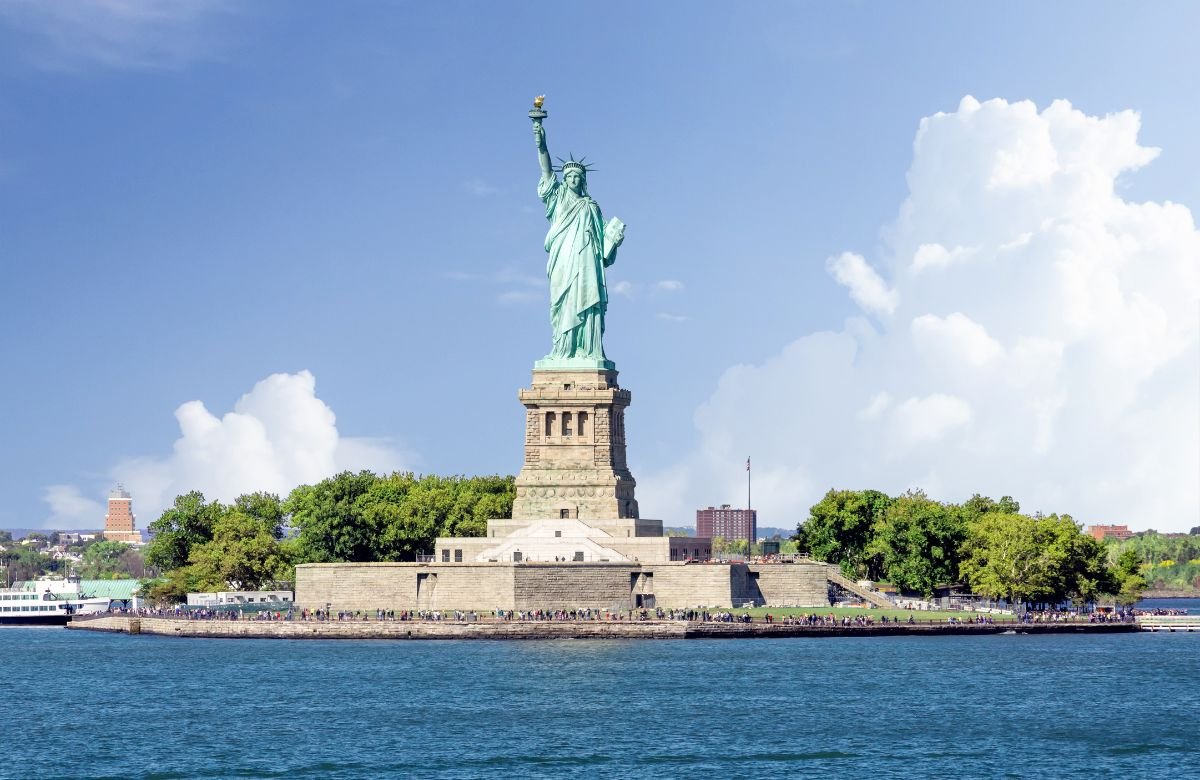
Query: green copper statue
580,246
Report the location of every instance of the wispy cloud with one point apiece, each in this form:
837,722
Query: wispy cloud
71,34
479,188
512,297
507,275
667,317
515,285
632,290
622,288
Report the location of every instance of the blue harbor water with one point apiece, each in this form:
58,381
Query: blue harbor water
88,705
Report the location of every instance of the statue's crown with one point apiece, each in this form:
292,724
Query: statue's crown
573,164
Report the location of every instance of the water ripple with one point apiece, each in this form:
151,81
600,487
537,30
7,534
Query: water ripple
145,708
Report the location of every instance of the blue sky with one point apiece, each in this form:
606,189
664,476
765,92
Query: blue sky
195,197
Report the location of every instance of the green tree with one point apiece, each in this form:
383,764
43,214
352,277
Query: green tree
1007,557
244,554
1128,571
170,589
363,517
1081,562
264,507
399,536
417,511
918,541
186,524
840,528
977,506
329,517
104,558
1042,559
23,562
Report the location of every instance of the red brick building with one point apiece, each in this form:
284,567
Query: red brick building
1102,532
727,522
119,522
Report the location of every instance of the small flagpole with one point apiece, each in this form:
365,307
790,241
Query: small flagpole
749,525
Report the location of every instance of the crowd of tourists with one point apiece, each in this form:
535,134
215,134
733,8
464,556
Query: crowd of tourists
1075,616
182,613
697,614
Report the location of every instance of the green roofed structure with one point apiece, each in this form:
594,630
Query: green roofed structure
125,590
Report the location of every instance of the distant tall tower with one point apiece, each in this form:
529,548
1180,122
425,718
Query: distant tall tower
118,523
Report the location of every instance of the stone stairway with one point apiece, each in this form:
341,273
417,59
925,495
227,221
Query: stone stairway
851,586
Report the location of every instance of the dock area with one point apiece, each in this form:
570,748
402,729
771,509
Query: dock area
1169,623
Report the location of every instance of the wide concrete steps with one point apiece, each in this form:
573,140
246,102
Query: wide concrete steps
850,585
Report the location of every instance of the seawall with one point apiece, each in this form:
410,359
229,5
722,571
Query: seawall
597,629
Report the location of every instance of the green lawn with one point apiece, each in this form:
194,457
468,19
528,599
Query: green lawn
875,614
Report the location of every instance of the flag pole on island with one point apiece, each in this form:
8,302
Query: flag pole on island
749,516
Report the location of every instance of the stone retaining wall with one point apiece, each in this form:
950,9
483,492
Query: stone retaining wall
490,586
795,585
494,629
407,629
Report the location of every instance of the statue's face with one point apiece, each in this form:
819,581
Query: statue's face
574,181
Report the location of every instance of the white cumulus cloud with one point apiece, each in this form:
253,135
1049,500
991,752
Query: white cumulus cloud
70,509
866,287
277,436
1038,336
938,256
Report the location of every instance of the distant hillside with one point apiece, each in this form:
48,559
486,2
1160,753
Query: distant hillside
21,533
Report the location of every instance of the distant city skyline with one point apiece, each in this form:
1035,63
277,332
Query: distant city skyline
950,248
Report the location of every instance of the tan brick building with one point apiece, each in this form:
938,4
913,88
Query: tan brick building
119,522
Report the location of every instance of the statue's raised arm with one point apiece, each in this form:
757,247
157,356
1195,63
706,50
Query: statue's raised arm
539,135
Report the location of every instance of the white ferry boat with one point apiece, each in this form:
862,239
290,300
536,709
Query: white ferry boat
48,601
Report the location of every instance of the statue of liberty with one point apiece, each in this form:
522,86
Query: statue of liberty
580,247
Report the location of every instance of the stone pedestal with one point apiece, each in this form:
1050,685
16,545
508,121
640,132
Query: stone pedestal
575,448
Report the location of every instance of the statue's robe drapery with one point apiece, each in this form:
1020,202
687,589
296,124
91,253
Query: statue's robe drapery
575,268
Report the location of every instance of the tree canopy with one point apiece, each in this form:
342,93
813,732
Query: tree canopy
841,526
364,517
917,543
197,545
